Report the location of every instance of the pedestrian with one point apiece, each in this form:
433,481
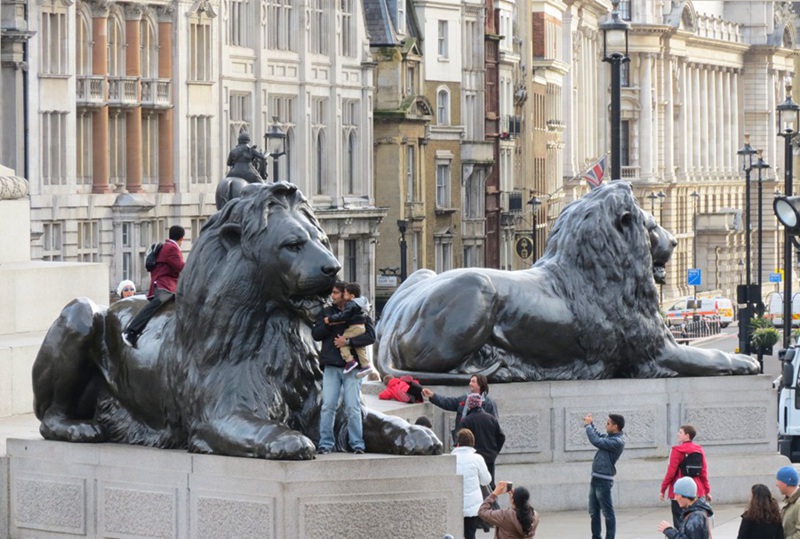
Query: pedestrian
516,522
126,289
687,459
489,437
334,382
787,480
163,284
356,308
762,517
479,384
609,448
472,468
696,515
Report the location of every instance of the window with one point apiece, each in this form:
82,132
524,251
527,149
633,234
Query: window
54,142
197,224
279,17
318,115
471,115
52,241
53,41
411,166
200,157
625,9
127,252
416,247
443,184
83,56
350,157
318,29
401,16
88,241
347,45
83,155
443,247
238,23
625,143
443,107
200,49
625,74
350,261
239,117
442,43
474,196
350,163
116,46
148,60
410,80
150,149
116,148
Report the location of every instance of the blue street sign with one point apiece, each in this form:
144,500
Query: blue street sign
775,277
694,277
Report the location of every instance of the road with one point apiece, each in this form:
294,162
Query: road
728,341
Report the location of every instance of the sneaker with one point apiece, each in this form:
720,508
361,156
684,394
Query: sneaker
323,451
350,366
364,371
358,451
129,338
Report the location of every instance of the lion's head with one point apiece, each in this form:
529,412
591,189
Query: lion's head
607,253
264,247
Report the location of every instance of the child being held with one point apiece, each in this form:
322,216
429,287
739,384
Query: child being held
354,315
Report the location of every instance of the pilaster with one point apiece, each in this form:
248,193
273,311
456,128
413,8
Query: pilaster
100,145
133,117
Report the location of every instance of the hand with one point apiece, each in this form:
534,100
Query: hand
326,320
340,341
663,526
427,392
588,419
708,497
500,488
661,496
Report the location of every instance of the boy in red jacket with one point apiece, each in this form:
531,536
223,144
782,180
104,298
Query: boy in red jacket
677,456
403,389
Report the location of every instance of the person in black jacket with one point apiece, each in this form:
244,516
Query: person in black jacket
334,381
762,517
479,384
489,437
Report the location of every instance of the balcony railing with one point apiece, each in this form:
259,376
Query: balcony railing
630,172
156,92
123,91
91,90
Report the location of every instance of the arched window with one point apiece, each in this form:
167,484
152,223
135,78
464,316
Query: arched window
319,159
287,161
116,46
443,107
350,169
83,44
148,63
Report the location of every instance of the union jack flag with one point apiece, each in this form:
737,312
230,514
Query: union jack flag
596,173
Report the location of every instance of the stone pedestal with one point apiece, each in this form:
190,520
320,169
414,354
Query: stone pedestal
33,294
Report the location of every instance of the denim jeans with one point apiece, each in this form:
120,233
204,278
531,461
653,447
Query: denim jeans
334,384
600,499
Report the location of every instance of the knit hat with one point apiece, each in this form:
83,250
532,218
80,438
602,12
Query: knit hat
474,400
788,475
686,487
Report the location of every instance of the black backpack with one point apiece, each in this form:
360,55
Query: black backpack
692,464
152,255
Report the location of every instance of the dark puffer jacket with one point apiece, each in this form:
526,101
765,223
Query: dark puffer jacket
696,524
329,355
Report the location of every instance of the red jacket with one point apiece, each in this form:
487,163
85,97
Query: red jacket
676,456
397,389
169,264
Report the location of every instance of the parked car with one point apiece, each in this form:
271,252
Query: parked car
687,308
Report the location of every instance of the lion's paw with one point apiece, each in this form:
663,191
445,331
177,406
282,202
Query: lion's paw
71,430
741,364
290,446
419,440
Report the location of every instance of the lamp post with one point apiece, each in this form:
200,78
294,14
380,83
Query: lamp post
402,226
615,52
746,153
696,198
760,165
535,203
275,142
788,114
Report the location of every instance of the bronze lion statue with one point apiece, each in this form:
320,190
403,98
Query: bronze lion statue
588,309
230,366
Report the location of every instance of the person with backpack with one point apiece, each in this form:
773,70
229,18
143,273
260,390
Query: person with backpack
163,283
695,520
687,459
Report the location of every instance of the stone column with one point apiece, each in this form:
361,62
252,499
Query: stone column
133,118
670,69
166,182
693,126
685,143
705,147
646,118
14,78
735,108
713,118
100,154
730,134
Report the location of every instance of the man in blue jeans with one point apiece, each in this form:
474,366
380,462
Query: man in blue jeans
609,448
335,382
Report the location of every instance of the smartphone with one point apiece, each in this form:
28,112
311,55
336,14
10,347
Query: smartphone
509,486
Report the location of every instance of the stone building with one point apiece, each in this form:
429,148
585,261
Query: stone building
124,113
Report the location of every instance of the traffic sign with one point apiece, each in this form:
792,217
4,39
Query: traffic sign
694,277
775,277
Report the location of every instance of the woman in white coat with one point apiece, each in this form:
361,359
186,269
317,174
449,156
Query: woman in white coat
471,466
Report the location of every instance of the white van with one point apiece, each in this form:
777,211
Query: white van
688,307
775,309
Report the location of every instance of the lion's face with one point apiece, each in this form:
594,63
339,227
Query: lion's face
296,262
662,243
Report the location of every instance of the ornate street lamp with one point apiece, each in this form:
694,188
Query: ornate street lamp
535,203
275,142
745,314
615,52
788,114
402,226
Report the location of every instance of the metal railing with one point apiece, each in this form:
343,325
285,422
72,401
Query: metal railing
696,328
